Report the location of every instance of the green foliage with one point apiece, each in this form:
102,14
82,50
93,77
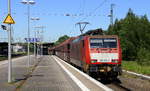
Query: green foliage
61,39
134,32
135,67
31,47
143,57
3,58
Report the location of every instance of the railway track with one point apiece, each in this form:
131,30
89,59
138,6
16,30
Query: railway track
118,87
128,82
115,85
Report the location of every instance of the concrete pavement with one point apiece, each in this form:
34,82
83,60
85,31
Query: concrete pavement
47,73
44,75
48,76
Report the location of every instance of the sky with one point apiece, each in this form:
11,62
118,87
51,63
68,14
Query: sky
52,14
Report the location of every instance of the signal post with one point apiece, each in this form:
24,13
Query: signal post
9,20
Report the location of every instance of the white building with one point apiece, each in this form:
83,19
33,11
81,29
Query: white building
18,48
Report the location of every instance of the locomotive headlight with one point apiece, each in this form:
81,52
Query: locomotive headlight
114,61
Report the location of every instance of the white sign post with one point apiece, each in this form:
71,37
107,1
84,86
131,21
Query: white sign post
9,20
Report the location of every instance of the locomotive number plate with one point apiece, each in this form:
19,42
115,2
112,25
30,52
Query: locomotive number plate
104,60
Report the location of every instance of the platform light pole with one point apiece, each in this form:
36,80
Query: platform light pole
37,35
28,2
42,41
41,37
35,19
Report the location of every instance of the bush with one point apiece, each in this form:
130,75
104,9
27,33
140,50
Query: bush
143,57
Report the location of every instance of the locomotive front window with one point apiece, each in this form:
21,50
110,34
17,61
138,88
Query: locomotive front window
103,43
96,43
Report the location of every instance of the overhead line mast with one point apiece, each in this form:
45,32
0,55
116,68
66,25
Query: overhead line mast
111,14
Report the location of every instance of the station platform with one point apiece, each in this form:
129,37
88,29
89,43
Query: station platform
47,73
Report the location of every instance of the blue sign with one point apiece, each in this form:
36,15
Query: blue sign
31,40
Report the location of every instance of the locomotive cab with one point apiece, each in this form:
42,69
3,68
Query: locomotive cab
105,56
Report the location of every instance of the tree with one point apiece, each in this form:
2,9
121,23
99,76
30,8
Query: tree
61,39
134,32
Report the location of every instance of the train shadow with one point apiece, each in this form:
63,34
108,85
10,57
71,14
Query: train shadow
116,82
109,81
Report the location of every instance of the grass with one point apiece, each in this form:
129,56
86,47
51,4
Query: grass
14,55
133,66
3,58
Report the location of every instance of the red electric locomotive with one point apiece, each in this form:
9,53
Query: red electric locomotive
97,55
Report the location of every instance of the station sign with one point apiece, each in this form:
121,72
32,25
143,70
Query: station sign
31,40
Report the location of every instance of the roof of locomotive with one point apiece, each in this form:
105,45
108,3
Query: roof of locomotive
103,36
83,36
98,36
